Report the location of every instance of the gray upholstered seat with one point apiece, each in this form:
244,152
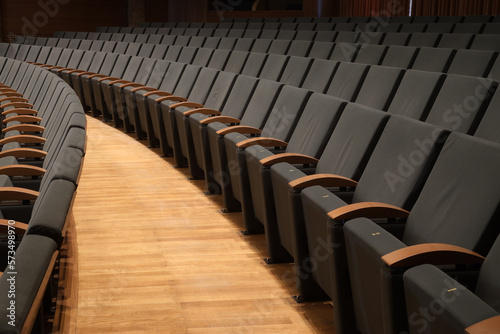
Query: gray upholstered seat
454,195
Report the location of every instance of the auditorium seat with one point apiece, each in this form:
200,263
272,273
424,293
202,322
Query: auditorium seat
475,63
433,59
399,137
473,307
443,221
456,94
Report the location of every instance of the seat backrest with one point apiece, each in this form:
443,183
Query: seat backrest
33,258
319,75
472,62
440,28
351,143
282,34
187,54
274,67
491,28
460,103
400,162
227,43
159,51
295,71
379,87
197,41
325,36
486,42
468,28
344,51
244,44
186,80
400,56
239,96
285,113
254,64
347,37
413,27
279,47
392,38
347,80
370,54
416,94
424,39
321,50
455,41
488,127
261,103
433,59
457,194
316,124
146,50
487,284
236,61
202,57
219,59
299,48
305,35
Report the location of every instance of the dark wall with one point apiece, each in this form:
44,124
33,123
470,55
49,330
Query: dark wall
41,17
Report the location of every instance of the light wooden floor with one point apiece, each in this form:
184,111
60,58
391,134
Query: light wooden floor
154,255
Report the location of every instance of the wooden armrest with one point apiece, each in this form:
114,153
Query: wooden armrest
8,94
487,326
76,71
13,99
292,158
132,84
325,180
19,228
97,75
108,78
23,153
263,141
120,81
171,98
20,111
431,253
23,118
204,111
146,88
22,170
24,128
51,67
17,194
157,92
186,104
243,129
221,119
16,105
368,210
8,90
64,69
85,73
25,139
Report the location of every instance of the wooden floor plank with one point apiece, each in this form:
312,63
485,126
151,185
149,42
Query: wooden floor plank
149,252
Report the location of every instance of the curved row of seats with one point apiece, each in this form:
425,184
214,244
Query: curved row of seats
234,57
43,146
418,147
